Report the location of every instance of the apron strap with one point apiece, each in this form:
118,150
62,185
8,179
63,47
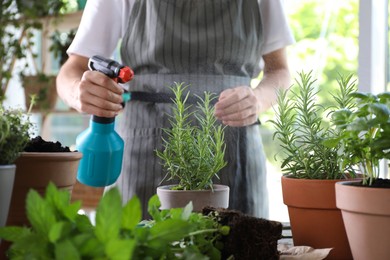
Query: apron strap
164,98
161,97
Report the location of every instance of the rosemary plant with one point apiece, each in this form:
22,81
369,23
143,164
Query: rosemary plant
301,128
193,153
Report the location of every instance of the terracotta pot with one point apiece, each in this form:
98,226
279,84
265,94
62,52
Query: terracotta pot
314,218
366,214
219,198
35,171
7,176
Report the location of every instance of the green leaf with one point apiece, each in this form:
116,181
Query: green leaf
142,233
120,249
60,200
341,117
331,142
384,97
153,207
14,233
176,213
71,210
109,216
83,223
39,213
32,246
169,230
381,112
359,124
381,144
132,213
65,250
88,245
55,231
363,96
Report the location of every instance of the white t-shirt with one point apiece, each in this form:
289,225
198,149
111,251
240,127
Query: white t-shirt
104,23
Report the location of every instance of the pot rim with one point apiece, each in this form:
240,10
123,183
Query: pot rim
291,178
7,166
217,187
51,154
348,182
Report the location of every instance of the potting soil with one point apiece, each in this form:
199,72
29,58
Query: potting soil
37,144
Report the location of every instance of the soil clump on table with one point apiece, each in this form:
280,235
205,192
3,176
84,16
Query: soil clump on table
249,237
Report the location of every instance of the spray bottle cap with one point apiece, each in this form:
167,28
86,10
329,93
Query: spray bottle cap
103,120
125,74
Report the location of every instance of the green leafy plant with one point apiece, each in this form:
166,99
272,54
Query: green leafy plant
193,154
364,132
18,21
15,131
58,232
301,128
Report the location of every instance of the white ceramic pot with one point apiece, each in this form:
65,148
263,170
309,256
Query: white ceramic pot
7,177
217,198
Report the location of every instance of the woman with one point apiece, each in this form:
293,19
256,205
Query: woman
211,45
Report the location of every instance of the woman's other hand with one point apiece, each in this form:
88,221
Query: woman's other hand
238,106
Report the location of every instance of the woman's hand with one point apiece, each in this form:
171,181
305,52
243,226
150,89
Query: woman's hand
98,95
242,105
238,106
87,91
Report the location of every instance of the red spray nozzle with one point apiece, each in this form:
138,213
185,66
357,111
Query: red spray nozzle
125,74
111,68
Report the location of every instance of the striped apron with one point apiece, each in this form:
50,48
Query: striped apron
210,45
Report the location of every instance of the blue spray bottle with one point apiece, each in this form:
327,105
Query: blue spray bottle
101,146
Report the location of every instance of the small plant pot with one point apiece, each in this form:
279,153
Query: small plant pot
217,198
35,170
7,176
314,218
366,214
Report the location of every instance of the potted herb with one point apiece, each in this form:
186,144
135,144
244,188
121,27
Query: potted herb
40,163
364,141
193,155
310,168
15,129
58,231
